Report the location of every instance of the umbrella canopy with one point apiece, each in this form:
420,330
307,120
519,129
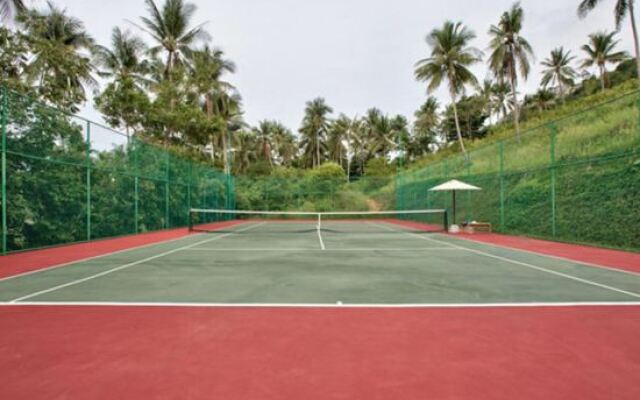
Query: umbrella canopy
453,185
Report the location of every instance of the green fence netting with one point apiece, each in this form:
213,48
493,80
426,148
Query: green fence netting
66,179
576,179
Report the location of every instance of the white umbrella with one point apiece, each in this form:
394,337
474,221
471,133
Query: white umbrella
453,186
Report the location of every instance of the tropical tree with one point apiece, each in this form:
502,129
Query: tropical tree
207,69
427,117
451,57
486,93
600,52
60,66
503,102
543,100
314,129
8,8
170,29
285,144
622,9
337,137
264,140
125,58
510,54
558,70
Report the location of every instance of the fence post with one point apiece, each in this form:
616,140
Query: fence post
552,168
88,166
502,197
5,112
189,183
136,184
166,191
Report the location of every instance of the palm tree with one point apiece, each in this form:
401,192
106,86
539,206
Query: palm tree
486,93
600,52
284,144
451,57
503,102
245,154
124,60
264,137
59,65
426,117
8,8
315,126
558,71
169,27
510,54
338,136
207,69
543,100
622,9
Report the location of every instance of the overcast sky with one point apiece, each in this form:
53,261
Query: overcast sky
356,54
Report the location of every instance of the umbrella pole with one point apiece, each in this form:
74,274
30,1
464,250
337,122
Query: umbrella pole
454,207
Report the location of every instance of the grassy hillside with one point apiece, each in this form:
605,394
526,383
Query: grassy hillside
572,176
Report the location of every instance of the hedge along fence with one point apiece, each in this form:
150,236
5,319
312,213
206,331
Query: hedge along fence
66,179
576,179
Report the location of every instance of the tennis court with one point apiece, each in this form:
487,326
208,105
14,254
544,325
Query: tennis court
359,262
363,307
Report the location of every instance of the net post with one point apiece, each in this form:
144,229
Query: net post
552,168
4,122
190,218
88,178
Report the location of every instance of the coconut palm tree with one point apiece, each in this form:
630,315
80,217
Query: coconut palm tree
264,139
486,93
8,8
451,57
207,69
284,144
511,54
426,117
169,28
622,9
60,66
503,102
558,70
338,136
314,129
600,52
124,60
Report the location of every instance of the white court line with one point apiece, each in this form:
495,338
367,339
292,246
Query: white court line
121,267
322,247
93,258
588,264
530,266
212,249
320,305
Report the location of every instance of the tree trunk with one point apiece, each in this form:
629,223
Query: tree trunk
455,116
634,29
603,78
516,106
317,163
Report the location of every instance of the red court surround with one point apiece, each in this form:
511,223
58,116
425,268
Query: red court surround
133,353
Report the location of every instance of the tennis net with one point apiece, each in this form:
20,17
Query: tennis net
420,221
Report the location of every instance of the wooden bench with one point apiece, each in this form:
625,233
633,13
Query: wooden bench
480,227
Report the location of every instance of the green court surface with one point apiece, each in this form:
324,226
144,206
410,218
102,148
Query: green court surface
349,263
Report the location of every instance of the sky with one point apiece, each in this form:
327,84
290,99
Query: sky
356,54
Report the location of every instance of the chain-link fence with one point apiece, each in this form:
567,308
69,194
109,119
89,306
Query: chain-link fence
66,179
576,179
